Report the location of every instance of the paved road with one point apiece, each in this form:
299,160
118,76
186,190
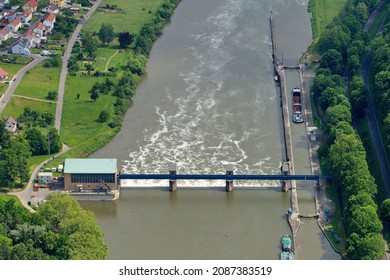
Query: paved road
18,77
65,59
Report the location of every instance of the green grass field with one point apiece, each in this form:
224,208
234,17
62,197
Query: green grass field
129,16
38,81
79,115
102,57
16,105
323,12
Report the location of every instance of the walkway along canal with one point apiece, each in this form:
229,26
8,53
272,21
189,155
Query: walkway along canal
208,102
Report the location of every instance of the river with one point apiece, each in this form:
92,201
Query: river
208,100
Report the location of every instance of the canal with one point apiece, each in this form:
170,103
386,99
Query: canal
209,99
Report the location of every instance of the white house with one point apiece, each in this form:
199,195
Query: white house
22,46
14,25
24,16
49,21
39,29
5,34
45,177
11,124
31,6
51,9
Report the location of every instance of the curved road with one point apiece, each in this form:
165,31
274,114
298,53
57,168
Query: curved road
65,59
18,77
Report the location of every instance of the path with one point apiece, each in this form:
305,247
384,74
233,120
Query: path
16,80
26,194
108,61
65,59
33,98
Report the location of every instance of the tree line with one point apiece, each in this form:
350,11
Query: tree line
59,230
340,95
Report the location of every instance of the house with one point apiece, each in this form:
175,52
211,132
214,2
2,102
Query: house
3,74
24,16
49,21
14,25
51,9
5,34
39,29
31,6
14,7
4,3
11,16
11,124
35,39
58,3
22,47
45,177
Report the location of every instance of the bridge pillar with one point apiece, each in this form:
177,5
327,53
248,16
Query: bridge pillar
229,183
173,182
285,170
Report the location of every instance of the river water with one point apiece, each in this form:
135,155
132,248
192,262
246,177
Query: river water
208,100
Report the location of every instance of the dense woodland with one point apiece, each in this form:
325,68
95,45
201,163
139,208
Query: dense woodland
59,230
340,94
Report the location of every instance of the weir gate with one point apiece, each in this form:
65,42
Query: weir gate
229,177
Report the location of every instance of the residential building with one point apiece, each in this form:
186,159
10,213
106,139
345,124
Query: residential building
91,174
5,34
3,74
58,3
24,16
22,47
45,177
50,9
11,124
49,21
14,25
4,3
39,29
31,6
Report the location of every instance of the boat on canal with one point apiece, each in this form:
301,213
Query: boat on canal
286,243
297,106
287,256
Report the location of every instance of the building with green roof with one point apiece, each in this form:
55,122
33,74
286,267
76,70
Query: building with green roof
90,174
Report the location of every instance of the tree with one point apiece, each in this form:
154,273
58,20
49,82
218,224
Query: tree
94,95
385,209
54,140
106,33
52,95
333,60
370,247
364,220
90,45
37,142
125,39
103,116
13,163
337,113
82,236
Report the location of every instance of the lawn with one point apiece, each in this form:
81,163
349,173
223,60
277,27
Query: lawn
79,115
322,13
38,81
129,16
16,105
102,57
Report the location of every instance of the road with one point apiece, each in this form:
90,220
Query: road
65,59
18,77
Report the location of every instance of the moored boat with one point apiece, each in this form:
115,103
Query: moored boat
286,243
287,256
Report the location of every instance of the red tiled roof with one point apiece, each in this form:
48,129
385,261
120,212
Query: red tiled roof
16,22
3,73
26,13
4,32
50,17
29,34
40,26
32,3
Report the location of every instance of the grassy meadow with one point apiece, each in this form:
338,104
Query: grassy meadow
322,13
37,82
130,15
16,105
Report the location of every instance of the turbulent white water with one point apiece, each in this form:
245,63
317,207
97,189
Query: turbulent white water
218,116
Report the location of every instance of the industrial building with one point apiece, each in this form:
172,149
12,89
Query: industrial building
90,174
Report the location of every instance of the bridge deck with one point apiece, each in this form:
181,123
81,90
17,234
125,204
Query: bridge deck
219,177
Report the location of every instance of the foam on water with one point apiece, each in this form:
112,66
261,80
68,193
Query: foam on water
201,133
